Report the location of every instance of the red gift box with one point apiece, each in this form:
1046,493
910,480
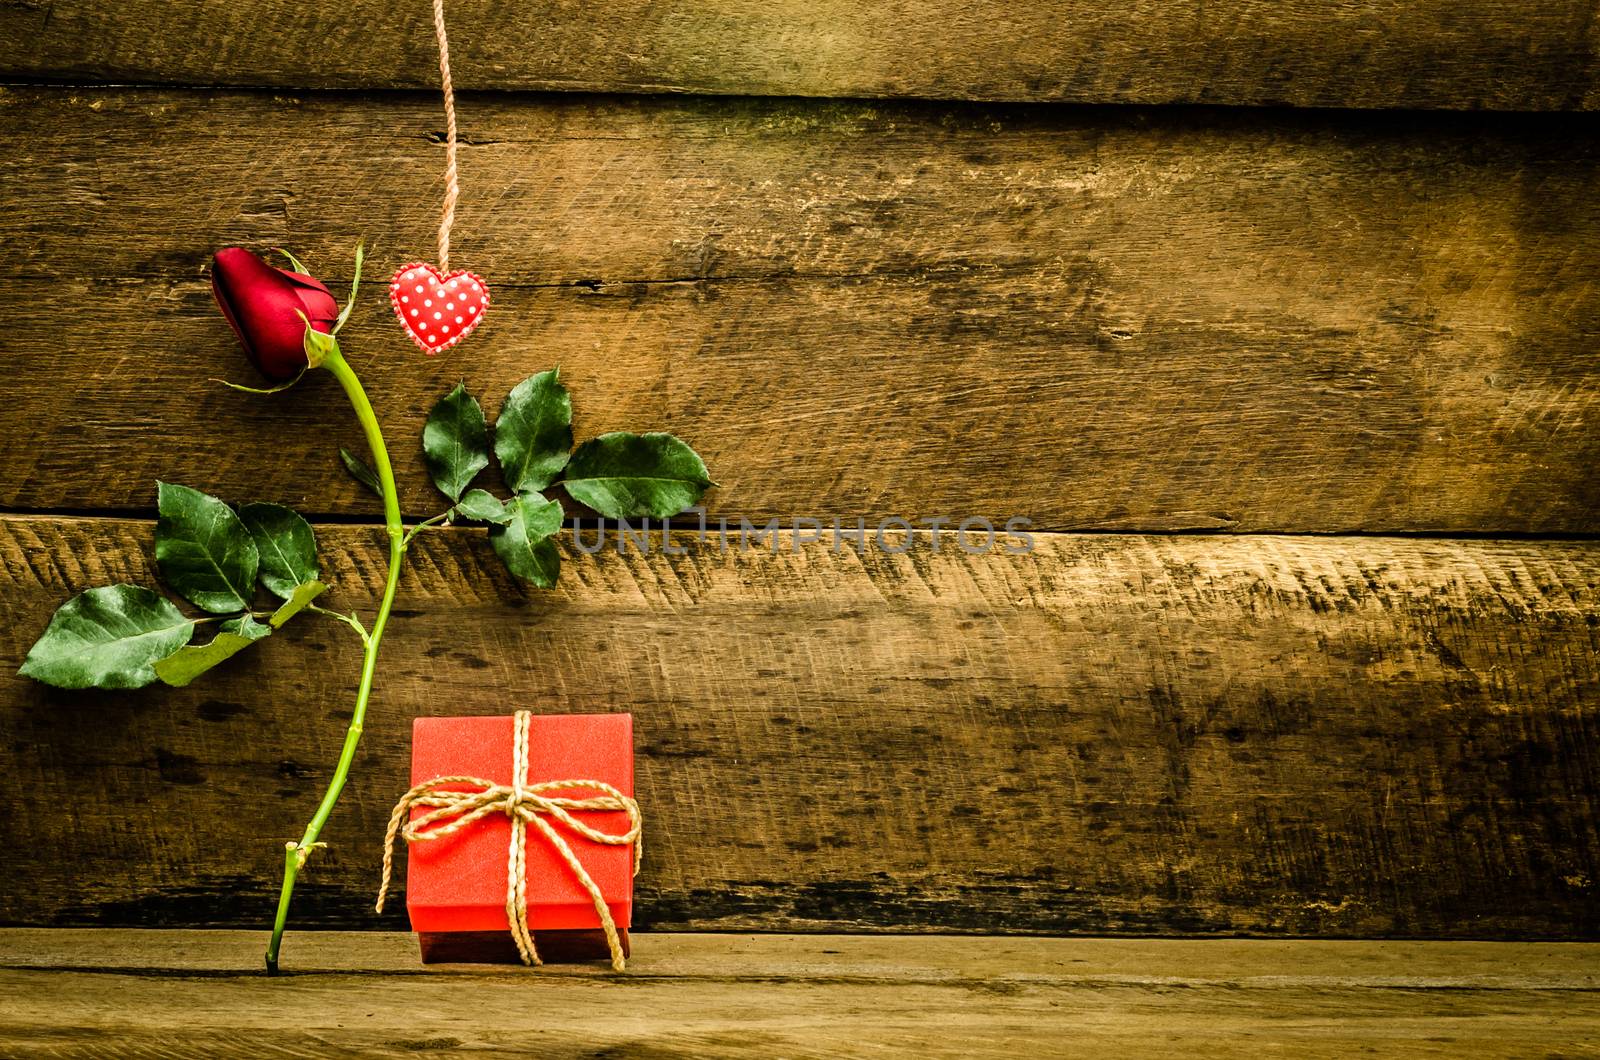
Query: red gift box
456,886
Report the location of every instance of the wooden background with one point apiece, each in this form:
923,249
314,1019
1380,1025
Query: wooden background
1301,400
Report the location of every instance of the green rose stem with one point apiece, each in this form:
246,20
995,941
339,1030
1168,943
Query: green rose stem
295,854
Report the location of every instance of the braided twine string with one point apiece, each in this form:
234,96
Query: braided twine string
452,187
525,804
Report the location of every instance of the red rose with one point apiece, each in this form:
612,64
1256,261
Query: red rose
264,304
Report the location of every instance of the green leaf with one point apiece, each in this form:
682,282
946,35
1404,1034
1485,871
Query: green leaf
203,549
280,388
621,475
526,543
455,442
355,284
534,432
303,594
192,660
319,345
482,506
286,544
107,638
294,261
360,471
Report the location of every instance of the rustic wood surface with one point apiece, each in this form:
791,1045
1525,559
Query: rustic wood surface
1469,54
1135,320
1185,734
196,993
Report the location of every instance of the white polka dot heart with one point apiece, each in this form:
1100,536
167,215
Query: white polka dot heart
437,311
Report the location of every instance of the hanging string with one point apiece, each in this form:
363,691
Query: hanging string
452,189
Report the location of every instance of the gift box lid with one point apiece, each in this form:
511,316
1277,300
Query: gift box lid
458,883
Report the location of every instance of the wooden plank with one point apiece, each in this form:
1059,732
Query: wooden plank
1482,54
196,993
929,959
1194,735
113,183
1119,320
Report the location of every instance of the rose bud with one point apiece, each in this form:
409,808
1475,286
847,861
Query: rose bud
269,309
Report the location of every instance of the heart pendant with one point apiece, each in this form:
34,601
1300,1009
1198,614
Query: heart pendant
437,311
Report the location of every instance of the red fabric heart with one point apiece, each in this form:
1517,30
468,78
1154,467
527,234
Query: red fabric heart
437,311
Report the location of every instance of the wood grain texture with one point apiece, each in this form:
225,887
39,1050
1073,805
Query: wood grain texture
1478,54
1131,320
191,993
928,959
1191,735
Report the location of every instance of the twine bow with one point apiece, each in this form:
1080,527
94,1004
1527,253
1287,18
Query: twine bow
525,804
